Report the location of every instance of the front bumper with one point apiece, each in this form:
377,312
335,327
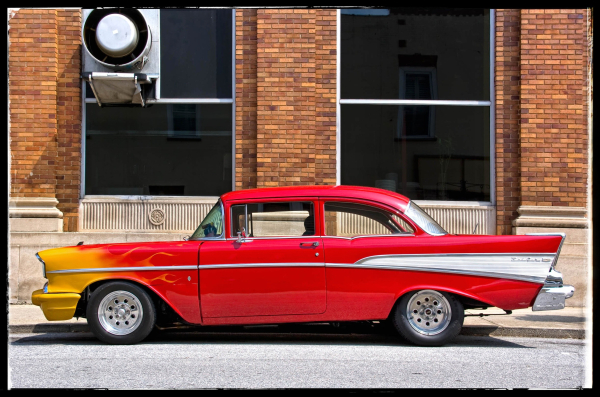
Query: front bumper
56,307
552,297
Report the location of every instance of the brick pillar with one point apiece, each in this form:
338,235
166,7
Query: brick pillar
507,87
554,136
325,97
68,162
285,97
245,99
33,126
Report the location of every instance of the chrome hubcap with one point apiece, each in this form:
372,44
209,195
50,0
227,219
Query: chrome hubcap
120,313
428,312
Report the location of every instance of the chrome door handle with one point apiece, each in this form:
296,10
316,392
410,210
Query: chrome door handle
315,244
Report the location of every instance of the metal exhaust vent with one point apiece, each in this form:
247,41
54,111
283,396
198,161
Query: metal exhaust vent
121,54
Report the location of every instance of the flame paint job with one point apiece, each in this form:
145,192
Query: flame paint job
282,281
172,286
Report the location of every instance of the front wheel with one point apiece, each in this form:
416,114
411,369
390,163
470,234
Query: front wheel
428,317
120,313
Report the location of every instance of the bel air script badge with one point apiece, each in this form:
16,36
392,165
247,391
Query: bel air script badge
529,260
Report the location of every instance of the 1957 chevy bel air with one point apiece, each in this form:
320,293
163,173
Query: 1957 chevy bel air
303,254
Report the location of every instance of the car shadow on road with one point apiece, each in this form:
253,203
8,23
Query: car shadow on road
264,337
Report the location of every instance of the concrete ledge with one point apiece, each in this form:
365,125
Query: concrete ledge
549,216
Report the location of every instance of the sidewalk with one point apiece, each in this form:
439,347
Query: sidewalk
567,323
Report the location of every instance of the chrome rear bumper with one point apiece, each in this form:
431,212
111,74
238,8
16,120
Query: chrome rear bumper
553,297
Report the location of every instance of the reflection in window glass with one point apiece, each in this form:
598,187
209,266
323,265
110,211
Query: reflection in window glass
286,219
445,157
164,150
195,53
377,48
350,220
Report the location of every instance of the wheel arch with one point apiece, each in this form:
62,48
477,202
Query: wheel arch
164,309
468,301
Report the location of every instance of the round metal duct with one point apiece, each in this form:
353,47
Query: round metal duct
118,38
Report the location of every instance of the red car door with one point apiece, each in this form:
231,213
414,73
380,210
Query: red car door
354,230
264,274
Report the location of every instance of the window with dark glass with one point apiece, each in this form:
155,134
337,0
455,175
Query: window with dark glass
181,143
415,101
165,149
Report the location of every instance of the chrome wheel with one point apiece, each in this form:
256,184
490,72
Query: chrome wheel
120,313
428,312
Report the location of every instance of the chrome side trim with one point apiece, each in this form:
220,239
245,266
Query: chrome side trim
43,264
530,279
249,265
125,269
248,239
524,267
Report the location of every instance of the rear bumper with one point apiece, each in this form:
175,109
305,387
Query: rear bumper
56,307
553,297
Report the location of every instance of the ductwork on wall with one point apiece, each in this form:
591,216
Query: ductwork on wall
121,56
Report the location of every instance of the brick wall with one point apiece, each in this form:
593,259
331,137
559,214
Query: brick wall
554,141
541,110
285,73
325,101
32,92
507,87
245,99
68,161
45,107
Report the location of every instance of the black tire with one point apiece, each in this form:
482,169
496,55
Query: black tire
120,313
428,317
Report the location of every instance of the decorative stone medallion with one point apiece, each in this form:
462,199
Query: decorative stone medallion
157,216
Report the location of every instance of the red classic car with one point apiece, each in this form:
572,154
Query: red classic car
303,254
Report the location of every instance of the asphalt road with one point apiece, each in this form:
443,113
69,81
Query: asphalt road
186,360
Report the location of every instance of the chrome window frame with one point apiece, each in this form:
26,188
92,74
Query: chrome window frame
421,227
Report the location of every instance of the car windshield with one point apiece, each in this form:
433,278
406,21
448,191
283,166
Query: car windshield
212,225
424,221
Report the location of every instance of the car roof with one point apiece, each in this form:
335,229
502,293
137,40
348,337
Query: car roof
388,197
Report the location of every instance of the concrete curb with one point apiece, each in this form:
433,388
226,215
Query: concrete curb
562,333
556,333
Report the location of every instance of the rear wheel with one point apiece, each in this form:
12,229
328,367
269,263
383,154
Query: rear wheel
120,313
428,317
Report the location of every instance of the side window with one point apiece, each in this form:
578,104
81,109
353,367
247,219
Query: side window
285,219
350,220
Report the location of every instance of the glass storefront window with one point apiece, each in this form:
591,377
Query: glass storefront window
162,150
415,102
377,50
443,158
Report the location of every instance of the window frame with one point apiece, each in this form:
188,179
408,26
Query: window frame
159,100
382,207
395,102
245,202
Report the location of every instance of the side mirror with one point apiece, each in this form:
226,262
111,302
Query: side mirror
186,238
